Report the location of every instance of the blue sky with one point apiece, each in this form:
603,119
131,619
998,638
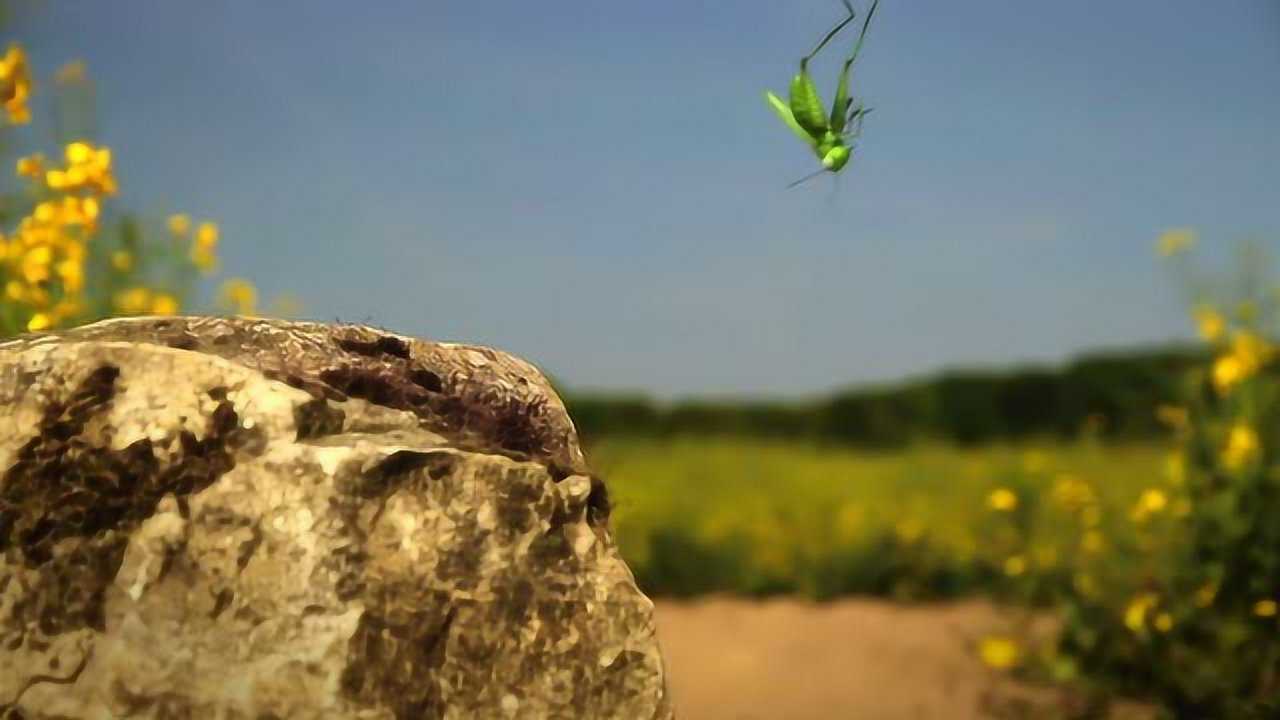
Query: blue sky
598,187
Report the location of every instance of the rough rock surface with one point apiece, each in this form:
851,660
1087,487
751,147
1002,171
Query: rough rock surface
242,518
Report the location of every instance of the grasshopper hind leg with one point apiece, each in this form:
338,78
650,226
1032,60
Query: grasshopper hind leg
804,61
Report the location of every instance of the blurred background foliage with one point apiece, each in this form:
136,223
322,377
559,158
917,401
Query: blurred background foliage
1132,493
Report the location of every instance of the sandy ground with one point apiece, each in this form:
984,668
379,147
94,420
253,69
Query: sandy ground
730,659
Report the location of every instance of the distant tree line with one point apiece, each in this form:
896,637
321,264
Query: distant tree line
1113,396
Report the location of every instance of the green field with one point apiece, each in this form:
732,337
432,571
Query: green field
694,516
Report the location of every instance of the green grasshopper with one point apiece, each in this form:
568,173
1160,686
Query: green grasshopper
831,136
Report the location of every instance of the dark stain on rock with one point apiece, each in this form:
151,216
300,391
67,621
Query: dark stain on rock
550,551
517,426
378,385
396,469
182,340
71,485
245,552
516,505
391,664
220,602
426,380
382,345
349,562
317,418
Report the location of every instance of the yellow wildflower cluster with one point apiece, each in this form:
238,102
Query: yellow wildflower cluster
1175,242
999,652
88,169
1072,493
203,249
1140,611
1002,500
145,301
1151,502
15,85
1246,354
238,296
1241,448
1209,323
44,257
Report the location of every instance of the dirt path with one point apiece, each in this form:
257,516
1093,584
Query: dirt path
734,659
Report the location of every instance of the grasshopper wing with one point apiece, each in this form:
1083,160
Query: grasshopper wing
784,112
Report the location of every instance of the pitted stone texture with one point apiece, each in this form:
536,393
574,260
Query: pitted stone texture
234,518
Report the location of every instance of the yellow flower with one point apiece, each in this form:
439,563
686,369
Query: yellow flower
1265,608
15,291
204,260
72,73
1163,622
1209,322
999,653
239,296
72,274
35,264
1227,372
179,224
88,168
1135,615
1072,493
1248,354
1174,242
15,85
66,308
1205,595
1015,566
133,301
31,166
202,249
1150,502
39,321
164,304
1242,447
1002,500
122,260
1085,585
1093,542
207,236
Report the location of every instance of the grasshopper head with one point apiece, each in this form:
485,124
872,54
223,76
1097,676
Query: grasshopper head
836,158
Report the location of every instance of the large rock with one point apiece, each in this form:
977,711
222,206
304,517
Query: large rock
241,518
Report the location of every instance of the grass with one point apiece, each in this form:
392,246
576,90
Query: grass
697,515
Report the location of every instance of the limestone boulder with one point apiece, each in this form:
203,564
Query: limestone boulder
247,518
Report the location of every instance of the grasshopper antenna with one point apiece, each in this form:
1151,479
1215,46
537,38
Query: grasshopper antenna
808,177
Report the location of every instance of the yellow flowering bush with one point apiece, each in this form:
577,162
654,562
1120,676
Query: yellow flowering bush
1195,625
66,256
